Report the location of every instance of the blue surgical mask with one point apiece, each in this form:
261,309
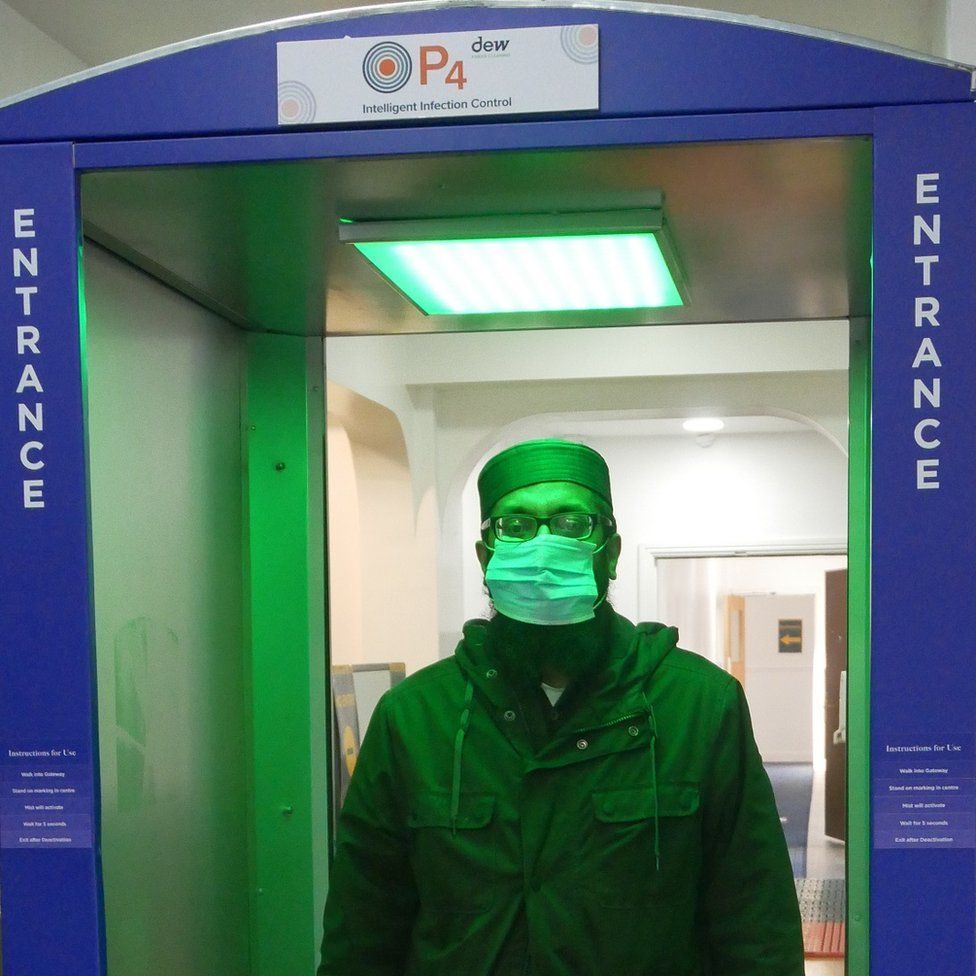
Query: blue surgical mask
546,580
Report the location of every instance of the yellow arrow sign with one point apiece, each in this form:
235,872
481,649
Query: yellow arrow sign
790,640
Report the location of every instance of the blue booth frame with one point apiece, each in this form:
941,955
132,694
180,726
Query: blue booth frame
215,102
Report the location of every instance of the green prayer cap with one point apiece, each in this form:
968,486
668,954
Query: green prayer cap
532,462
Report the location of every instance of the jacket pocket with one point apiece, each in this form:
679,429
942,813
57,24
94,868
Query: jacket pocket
434,810
454,864
639,848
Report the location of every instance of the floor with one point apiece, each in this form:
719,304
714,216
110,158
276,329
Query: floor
825,859
793,787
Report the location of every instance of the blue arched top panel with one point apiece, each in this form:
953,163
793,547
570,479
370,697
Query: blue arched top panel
689,63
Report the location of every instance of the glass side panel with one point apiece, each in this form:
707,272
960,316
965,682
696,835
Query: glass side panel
165,470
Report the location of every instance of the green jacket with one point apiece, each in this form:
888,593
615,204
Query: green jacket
485,834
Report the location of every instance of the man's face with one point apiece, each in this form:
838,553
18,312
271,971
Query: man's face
556,498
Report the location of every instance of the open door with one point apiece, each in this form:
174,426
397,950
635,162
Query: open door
835,706
735,654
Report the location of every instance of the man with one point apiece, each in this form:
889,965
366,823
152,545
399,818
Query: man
569,795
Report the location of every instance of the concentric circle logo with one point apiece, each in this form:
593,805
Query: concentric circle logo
581,44
296,103
387,67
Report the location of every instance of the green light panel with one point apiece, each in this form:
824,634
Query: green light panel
528,274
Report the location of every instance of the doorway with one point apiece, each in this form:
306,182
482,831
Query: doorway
459,397
778,623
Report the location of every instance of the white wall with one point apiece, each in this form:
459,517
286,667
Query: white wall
28,57
382,543
913,24
344,552
960,31
110,29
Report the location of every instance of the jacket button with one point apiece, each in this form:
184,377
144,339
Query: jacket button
509,716
581,744
633,730
491,673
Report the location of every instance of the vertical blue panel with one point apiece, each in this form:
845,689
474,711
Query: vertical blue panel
48,864
924,544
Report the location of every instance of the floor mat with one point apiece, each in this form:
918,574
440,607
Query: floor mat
793,789
823,908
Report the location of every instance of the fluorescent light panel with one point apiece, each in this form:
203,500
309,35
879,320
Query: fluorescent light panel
524,271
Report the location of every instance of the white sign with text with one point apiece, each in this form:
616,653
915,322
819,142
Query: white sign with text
422,76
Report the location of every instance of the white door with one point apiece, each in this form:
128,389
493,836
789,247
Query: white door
778,644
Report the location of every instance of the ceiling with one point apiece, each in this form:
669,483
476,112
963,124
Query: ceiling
777,230
104,30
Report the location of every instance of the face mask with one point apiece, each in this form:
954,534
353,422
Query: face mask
547,580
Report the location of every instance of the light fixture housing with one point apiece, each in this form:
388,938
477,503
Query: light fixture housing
604,260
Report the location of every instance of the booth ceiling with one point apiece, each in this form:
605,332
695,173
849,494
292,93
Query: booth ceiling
775,230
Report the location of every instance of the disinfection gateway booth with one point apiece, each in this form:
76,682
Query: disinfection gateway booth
163,701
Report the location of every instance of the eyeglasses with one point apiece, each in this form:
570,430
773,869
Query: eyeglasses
521,528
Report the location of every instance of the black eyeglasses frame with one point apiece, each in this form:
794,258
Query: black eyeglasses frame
596,519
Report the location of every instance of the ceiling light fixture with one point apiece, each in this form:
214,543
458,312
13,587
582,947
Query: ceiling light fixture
621,259
703,425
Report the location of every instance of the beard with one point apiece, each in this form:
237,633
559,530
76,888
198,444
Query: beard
525,651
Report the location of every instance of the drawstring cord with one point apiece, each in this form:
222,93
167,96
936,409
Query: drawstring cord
657,822
458,749
652,722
